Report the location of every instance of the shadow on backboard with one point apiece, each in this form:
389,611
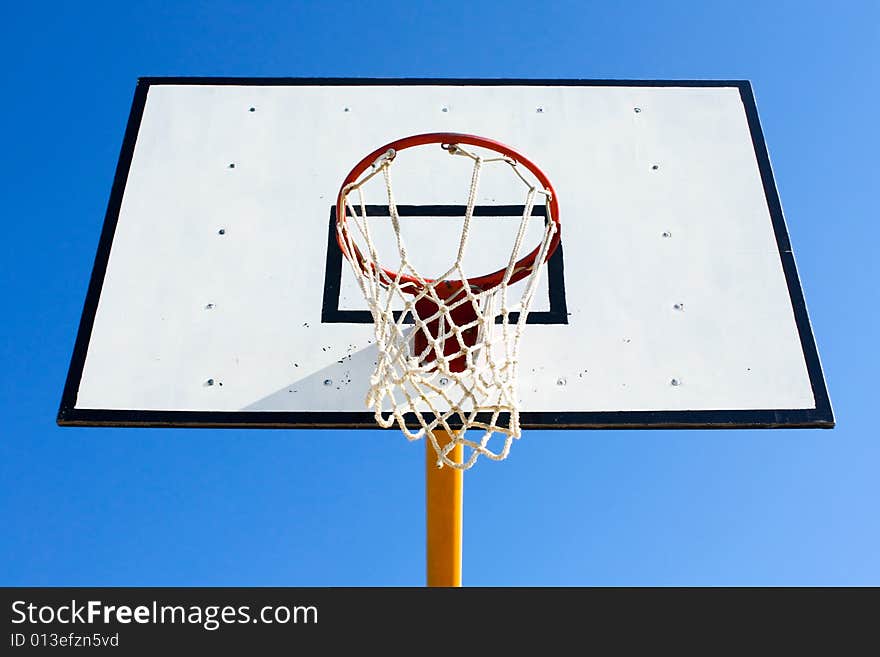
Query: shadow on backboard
340,386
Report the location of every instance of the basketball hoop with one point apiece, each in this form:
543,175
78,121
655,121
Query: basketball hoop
455,370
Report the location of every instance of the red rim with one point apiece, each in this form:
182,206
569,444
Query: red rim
523,266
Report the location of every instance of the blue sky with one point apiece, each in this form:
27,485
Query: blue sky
178,507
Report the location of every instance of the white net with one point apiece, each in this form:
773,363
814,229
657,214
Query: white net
448,361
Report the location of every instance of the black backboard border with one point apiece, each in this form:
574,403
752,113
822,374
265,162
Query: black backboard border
819,417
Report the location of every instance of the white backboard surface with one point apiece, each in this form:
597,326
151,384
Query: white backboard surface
219,297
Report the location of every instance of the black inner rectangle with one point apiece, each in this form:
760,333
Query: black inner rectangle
331,313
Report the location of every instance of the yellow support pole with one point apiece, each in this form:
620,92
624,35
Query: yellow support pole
444,496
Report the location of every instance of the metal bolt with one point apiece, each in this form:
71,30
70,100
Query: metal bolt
666,233
637,109
222,231
655,167
561,381
444,381
540,110
675,382
328,382
252,109
209,306
345,109
232,165
678,306
209,382
444,109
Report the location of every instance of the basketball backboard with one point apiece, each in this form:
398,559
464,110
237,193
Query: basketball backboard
220,298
